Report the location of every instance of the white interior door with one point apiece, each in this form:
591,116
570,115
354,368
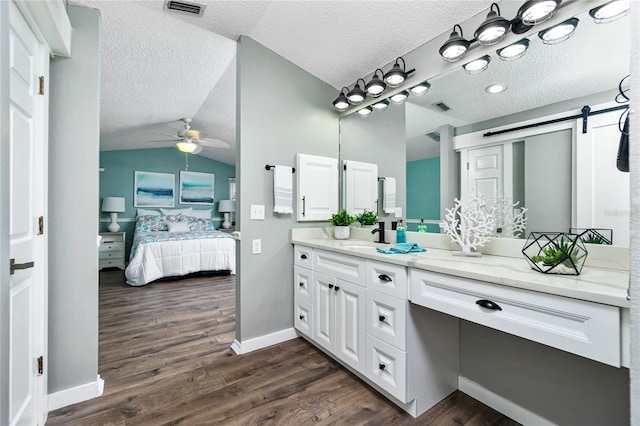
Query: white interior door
27,200
486,171
360,186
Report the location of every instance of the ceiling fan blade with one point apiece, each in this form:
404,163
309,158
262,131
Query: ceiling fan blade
213,143
198,150
166,140
173,135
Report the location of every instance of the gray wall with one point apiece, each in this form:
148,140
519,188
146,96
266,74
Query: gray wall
281,110
379,139
73,207
564,388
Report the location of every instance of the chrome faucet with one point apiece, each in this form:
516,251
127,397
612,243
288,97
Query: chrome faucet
380,230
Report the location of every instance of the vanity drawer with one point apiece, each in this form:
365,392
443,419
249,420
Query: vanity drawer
303,256
386,367
386,318
302,284
588,329
387,278
348,268
302,317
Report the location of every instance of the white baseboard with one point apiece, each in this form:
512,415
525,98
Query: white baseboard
501,404
76,394
256,343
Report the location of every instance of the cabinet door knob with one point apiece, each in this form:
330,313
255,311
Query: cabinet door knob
337,288
301,317
381,318
303,256
488,304
330,286
385,277
381,366
301,284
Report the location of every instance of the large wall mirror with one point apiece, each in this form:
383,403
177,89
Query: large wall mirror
549,80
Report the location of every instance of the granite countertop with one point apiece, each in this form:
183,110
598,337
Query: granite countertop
606,286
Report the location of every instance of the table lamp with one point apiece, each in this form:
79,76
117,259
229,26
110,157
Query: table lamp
226,207
113,205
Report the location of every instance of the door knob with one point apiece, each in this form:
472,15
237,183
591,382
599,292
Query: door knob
13,266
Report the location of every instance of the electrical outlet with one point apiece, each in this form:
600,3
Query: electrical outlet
256,246
257,212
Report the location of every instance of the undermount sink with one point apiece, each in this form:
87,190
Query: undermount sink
359,245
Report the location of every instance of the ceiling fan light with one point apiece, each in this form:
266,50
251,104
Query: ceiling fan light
400,97
493,29
365,112
609,12
514,51
376,86
456,47
560,32
477,66
380,105
534,12
420,89
396,75
187,146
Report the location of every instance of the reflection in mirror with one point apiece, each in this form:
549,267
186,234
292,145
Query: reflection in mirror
549,80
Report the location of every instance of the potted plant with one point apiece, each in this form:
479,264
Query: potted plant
341,221
555,253
367,219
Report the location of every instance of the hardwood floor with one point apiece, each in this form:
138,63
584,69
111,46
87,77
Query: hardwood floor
165,358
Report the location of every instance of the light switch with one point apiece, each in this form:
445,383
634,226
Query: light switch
398,212
256,246
257,212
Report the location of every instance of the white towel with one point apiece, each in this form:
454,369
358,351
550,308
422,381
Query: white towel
389,191
282,189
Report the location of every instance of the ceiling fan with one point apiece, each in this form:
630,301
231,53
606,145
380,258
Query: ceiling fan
191,141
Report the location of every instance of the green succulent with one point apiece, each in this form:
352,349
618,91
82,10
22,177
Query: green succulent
556,253
367,218
342,218
593,239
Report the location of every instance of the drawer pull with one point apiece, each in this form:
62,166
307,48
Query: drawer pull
381,318
488,304
381,366
301,284
303,256
301,317
330,286
384,277
337,288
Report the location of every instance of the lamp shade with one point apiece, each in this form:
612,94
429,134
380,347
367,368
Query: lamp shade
226,206
113,204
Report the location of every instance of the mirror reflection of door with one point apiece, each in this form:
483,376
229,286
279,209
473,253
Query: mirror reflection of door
360,187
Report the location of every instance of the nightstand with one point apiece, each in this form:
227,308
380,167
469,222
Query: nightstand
112,250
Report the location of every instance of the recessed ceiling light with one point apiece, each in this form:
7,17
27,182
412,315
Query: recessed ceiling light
381,105
477,66
399,98
364,112
611,11
496,88
560,32
514,51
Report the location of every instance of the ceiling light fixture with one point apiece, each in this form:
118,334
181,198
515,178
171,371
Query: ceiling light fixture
341,103
534,12
399,97
396,75
456,47
496,88
477,66
380,105
365,112
187,146
611,11
560,32
420,89
376,86
356,96
514,51
493,29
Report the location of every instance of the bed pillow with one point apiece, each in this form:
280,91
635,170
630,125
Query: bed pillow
145,212
170,212
157,223
201,214
197,224
178,226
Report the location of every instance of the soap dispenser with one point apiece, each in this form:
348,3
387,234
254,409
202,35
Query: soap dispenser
401,233
422,227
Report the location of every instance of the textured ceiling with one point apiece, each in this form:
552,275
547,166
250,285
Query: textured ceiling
159,66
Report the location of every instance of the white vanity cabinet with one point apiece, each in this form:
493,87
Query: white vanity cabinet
357,310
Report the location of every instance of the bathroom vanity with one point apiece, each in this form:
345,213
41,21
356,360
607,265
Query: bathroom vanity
393,320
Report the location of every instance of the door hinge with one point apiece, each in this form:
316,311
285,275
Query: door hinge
40,365
41,225
41,85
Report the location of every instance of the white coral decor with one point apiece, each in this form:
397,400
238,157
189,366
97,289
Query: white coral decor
510,220
470,223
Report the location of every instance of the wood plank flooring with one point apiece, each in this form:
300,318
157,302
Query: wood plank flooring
165,358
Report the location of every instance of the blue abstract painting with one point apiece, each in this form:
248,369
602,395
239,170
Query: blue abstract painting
196,188
154,189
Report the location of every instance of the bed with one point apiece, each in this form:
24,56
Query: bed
175,245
